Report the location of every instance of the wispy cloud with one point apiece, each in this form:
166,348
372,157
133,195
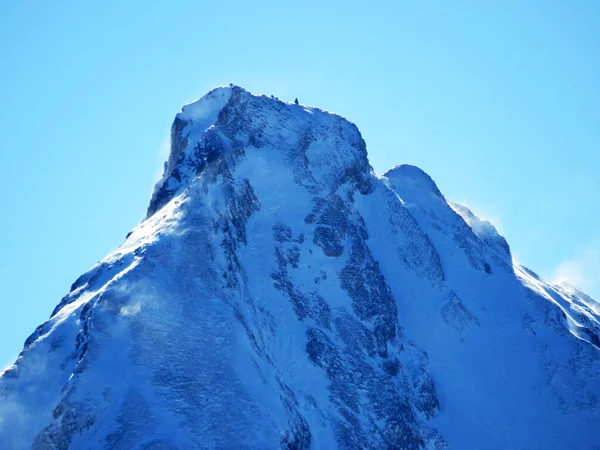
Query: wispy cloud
17,416
163,154
582,269
8,363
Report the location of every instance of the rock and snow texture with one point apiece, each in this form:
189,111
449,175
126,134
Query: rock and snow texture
280,295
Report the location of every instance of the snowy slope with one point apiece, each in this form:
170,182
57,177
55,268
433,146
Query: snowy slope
280,295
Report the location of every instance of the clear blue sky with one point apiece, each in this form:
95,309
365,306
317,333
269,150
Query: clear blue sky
498,101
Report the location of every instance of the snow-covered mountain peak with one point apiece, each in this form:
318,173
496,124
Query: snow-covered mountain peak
420,194
323,148
279,295
411,181
207,107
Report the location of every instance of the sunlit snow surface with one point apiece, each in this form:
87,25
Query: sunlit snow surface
280,295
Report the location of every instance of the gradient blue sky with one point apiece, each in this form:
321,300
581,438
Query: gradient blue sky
498,101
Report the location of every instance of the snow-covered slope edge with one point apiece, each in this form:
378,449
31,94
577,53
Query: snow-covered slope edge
280,295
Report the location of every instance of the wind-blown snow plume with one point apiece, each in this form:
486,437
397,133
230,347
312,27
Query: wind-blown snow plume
582,269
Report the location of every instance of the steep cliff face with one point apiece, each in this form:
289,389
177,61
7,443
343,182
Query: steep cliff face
280,295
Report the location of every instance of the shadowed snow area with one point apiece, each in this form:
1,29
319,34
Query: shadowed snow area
281,295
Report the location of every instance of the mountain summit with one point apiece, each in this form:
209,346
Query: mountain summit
279,294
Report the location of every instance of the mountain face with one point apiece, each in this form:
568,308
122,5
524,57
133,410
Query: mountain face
281,295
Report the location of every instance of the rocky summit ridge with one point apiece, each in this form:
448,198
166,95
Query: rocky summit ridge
279,294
